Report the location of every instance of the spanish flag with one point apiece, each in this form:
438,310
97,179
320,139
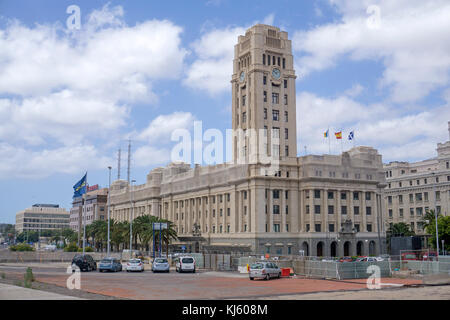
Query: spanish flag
338,135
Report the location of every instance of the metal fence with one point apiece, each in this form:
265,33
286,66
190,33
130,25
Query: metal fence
442,266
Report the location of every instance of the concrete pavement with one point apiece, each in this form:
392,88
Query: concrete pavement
10,292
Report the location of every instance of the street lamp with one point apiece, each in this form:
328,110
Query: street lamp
435,214
131,217
108,204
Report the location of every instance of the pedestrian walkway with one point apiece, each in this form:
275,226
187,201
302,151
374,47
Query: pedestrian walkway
10,292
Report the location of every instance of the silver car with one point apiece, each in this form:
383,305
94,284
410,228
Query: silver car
135,265
264,270
160,265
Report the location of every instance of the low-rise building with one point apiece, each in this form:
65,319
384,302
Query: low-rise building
413,188
42,217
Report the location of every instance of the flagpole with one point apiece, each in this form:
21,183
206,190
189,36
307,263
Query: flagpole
329,141
84,214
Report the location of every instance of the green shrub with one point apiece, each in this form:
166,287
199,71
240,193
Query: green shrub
21,247
86,249
28,277
71,248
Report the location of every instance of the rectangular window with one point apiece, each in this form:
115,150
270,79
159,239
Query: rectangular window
438,196
286,133
357,227
317,194
343,196
284,63
286,152
265,113
367,195
411,198
276,227
330,209
244,97
273,60
221,212
285,84
279,61
244,117
317,227
418,196
228,212
369,227
356,210
285,99
411,212
390,213
275,98
307,209
275,132
264,59
276,194
265,96
264,80
286,194
286,118
368,211
330,195
275,115
400,199
307,227
355,195
400,212
268,59
276,209
317,209
419,211
287,209
331,227
343,210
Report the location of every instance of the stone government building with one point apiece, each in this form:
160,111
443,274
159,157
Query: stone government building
324,205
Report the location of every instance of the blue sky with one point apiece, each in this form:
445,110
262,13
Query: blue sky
140,69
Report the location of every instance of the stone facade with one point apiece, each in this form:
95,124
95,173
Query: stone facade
413,188
327,205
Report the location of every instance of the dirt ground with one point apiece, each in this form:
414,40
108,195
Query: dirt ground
214,285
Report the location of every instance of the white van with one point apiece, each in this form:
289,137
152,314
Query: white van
185,263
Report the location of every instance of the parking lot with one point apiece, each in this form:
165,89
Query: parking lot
201,285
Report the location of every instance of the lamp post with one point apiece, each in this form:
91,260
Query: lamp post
131,217
108,204
435,214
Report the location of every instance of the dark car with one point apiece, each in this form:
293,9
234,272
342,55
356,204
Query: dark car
84,262
110,264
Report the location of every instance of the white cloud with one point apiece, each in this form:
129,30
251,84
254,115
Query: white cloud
161,128
65,94
396,134
410,41
18,162
212,69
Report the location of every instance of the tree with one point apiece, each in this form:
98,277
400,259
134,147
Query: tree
144,230
443,232
400,229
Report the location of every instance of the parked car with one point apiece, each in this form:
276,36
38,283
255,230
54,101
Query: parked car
161,265
135,265
409,256
264,270
346,259
185,263
367,259
110,264
84,262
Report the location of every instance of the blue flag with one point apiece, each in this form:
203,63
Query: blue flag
350,136
80,187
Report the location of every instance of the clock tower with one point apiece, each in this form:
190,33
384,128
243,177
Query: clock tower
263,96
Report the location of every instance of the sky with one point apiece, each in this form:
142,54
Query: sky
72,94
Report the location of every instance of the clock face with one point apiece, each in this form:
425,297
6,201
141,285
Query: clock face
276,73
242,76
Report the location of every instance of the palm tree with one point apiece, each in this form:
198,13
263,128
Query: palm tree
429,218
143,226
